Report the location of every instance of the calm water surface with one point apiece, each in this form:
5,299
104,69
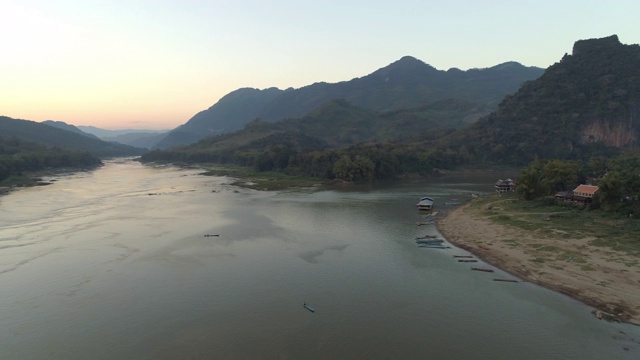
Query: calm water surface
114,264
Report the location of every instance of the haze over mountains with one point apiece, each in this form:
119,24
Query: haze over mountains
142,138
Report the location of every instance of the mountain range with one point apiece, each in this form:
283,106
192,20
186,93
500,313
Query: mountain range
415,116
586,105
406,83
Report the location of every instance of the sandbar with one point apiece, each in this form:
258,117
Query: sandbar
604,278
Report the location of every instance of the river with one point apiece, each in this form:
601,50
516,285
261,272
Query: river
114,264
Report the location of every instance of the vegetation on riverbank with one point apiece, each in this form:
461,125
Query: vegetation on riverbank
547,219
260,180
19,157
618,179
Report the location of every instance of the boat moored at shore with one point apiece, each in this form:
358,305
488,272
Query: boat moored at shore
425,203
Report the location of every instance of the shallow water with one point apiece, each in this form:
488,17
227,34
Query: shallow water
114,264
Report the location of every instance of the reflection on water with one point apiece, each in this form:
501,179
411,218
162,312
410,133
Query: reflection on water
114,264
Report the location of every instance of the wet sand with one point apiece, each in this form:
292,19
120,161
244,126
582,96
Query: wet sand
605,281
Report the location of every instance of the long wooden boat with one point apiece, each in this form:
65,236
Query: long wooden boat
482,269
427,237
506,280
467,260
309,307
429,241
434,246
463,256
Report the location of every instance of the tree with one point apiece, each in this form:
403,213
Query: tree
559,175
363,168
343,168
530,181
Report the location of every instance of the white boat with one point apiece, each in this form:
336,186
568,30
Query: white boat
425,203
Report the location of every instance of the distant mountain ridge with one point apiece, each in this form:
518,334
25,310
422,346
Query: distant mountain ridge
406,83
64,126
229,114
141,138
107,133
53,136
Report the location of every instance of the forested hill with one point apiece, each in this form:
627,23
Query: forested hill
18,156
230,113
50,136
406,83
336,124
585,105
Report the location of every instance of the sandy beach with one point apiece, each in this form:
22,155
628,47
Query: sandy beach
605,279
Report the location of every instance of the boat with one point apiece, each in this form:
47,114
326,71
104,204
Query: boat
425,203
506,280
467,260
427,237
463,256
482,269
434,246
429,241
308,307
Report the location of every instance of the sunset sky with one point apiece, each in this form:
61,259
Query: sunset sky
155,63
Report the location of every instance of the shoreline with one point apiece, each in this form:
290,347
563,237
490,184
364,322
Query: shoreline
611,287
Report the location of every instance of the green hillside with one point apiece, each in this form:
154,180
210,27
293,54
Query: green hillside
309,145
587,104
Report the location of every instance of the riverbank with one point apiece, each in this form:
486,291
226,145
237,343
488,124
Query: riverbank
568,262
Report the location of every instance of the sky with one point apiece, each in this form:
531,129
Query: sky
153,64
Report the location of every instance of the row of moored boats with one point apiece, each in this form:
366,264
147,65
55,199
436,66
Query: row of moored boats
434,242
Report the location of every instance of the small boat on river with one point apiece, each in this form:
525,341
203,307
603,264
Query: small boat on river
463,256
467,260
309,307
482,269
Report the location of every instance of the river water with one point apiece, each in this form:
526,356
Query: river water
114,264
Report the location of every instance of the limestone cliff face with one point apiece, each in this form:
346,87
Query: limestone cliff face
596,46
618,134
